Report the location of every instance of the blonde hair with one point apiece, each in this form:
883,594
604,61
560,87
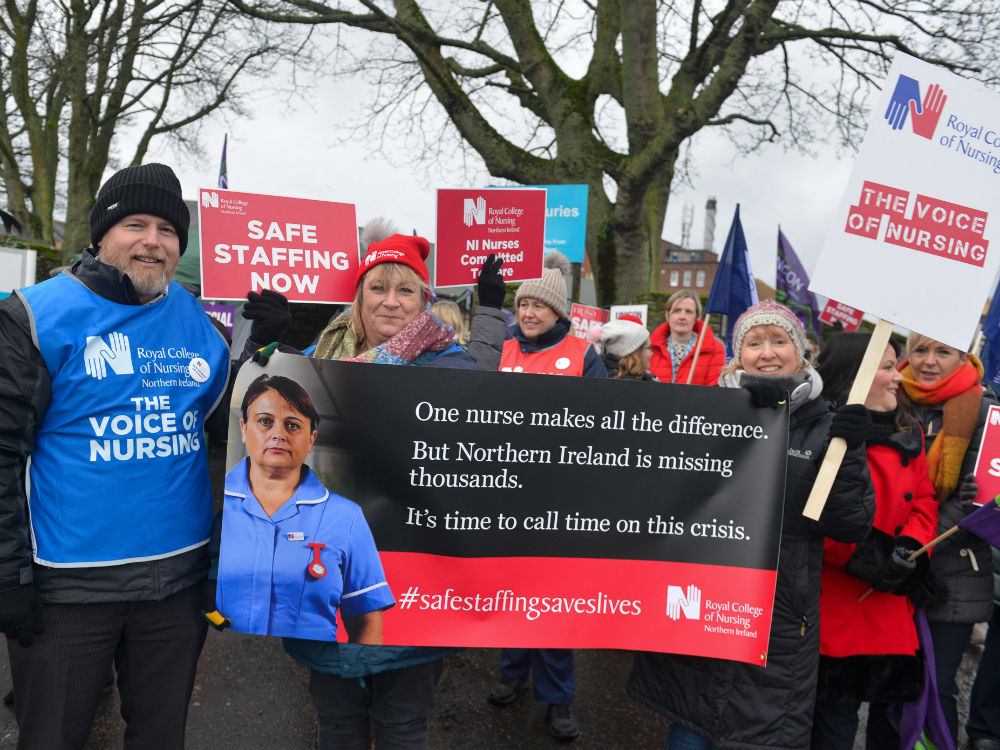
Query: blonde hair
677,296
916,339
382,273
451,314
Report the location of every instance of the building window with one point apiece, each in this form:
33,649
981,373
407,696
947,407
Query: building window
687,278
694,257
699,278
674,277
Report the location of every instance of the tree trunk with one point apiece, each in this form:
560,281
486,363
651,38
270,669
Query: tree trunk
627,239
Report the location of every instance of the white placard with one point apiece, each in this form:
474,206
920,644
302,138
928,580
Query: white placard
640,311
17,268
915,239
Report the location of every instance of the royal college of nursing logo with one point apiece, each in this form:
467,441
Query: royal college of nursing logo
679,603
115,353
474,211
923,113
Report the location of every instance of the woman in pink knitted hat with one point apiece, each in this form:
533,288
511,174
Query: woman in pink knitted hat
717,703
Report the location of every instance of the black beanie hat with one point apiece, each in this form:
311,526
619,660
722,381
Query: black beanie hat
144,189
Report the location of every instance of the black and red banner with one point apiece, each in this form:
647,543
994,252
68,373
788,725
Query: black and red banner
542,511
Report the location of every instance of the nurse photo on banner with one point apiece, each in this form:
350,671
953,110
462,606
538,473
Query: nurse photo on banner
292,552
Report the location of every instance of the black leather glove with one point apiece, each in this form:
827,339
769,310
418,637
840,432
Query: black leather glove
881,560
968,490
21,614
851,422
764,393
490,286
270,315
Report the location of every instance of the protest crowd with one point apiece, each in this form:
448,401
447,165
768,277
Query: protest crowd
112,568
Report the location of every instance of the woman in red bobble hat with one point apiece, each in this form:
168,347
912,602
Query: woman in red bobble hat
357,686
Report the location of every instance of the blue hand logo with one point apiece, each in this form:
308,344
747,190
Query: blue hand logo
907,89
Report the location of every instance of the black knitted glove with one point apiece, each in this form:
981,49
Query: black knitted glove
968,490
490,286
764,393
851,422
928,589
880,561
21,614
270,315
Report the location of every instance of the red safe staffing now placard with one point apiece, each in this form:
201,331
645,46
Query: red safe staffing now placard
305,249
471,224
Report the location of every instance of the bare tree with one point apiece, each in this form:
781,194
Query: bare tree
77,74
608,92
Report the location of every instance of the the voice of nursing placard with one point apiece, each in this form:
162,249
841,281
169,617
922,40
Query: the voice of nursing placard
471,224
305,249
918,213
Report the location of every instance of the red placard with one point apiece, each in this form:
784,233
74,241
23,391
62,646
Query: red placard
471,224
988,461
583,316
305,249
844,314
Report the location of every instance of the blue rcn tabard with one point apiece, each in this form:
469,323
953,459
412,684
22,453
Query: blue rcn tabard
264,583
118,471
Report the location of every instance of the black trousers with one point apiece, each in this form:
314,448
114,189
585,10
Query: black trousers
397,703
154,647
835,724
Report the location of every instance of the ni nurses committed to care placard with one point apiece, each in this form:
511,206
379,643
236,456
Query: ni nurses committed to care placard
471,224
529,510
305,249
919,217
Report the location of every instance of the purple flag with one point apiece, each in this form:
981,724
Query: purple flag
985,522
921,722
223,168
792,288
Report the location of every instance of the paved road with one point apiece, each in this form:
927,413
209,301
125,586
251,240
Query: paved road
250,695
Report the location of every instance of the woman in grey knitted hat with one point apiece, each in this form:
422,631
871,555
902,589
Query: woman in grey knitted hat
541,342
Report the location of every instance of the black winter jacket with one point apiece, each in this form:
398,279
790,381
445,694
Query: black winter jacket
738,705
961,564
25,389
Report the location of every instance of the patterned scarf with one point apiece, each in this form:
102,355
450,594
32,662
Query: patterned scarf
425,334
960,393
679,351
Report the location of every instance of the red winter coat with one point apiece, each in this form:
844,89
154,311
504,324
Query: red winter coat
710,362
904,504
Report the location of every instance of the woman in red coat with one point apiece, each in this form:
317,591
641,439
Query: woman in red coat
676,341
869,649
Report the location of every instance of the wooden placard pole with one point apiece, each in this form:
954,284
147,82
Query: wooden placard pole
697,348
837,448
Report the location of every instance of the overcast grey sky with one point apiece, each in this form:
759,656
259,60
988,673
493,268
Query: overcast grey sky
300,153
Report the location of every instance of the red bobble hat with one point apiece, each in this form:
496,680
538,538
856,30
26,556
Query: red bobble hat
399,248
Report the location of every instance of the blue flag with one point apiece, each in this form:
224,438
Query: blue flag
991,351
792,286
733,289
223,171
